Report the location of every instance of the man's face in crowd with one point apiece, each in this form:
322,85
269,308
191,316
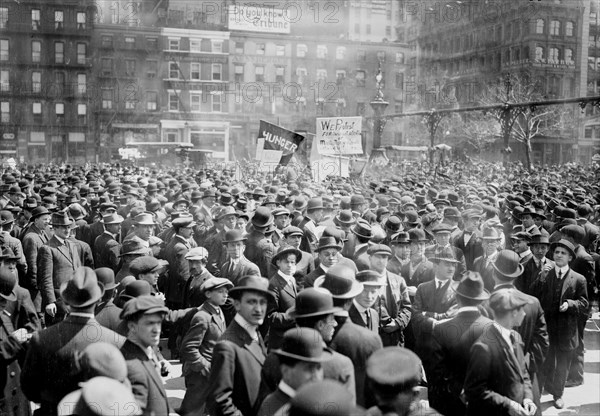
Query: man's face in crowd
62,231
196,266
16,199
442,239
316,214
217,296
235,249
282,221
379,262
143,231
42,222
294,240
538,221
147,329
326,327
229,221
444,270
562,257
181,207
9,265
209,201
252,306
519,246
241,223
417,249
328,257
186,232
527,221
150,277
539,250
471,224
490,246
368,296
113,228
402,251
287,264
301,373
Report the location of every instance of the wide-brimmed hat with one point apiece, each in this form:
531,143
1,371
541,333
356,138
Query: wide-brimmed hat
252,284
370,278
304,344
508,264
8,281
284,251
445,254
563,243
314,203
312,302
99,396
262,217
83,289
112,219
60,219
326,242
471,287
362,229
144,219
400,238
341,281
491,233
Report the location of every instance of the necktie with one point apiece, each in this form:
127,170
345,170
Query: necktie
155,363
513,343
368,317
559,274
231,268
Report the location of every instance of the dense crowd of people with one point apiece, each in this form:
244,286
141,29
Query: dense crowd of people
283,296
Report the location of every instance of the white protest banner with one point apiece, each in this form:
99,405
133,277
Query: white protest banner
339,135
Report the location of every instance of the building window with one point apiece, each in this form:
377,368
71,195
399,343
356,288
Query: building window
4,49
239,73
81,112
340,76
59,79
36,82
301,50
280,74
36,110
173,70
569,56
569,28
5,112
195,71
555,27
301,74
280,50
59,19
260,49
59,109
35,19
195,45
398,107
322,51
217,46
399,80
381,56
340,53
539,53
129,42
106,66
321,75
360,78
3,17
553,55
107,98
114,15
81,20
36,51
259,74
4,81
151,44
195,101
130,67
216,72
361,55
173,44
216,103
59,53
107,41
399,58
130,101
81,53
388,31
151,68
173,101
539,26
151,100
239,48
81,84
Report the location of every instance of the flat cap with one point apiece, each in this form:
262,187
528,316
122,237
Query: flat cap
197,253
379,249
215,283
504,300
394,367
144,264
146,305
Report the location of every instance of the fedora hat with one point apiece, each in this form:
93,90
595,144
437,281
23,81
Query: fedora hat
362,229
446,254
370,278
328,242
251,283
284,251
539,239
134,246
39,211
8,281
417,235
262,217
314,203
393,224
144,219
99,396
345,217
491,233
563,243
300,203
304,344
61,219
313,302
258,191
233,236
226,199
112,219
341,281
507,264
471,287
401,238
83,289
106,276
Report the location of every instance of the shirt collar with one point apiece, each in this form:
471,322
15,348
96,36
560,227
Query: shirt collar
525,253
504,332
438,281
288,279
468,309
235,261
248,327
60,240
109,233
82,315
358,306
322,266
284,387
563,269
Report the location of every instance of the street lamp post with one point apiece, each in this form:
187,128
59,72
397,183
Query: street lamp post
378,104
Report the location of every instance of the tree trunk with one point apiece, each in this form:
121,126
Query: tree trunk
528,153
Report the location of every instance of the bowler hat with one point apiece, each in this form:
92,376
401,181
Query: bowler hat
83,289
60,219
322,398
284,251
345,217
326,242
112,219
145,305
135,289
6,217
262,217
106,276
393,224
99,396
394,369
232,236
251,283
213,283
508,299
304,344
370,278
314,203
563,243
226,199
341,281
471,287
8,281
362,229
445,254
313,302
507,264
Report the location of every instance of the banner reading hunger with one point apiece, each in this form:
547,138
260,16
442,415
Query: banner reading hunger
276,144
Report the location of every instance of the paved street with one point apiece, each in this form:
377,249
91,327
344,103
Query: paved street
581,401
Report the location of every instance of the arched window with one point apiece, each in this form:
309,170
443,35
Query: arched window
539,26
569,29
553,55
555,28
539,53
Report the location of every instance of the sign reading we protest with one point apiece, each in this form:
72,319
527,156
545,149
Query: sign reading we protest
339,135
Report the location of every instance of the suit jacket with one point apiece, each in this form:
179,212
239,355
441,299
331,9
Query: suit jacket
562,326
193,297
359,319
531,271
451,351
472,249
97,229
56,264
88,257
15,244
217,255
305,266
32,241
206,327
235,373
259,251
486,270
432,305
358,344
273,402
284,297
108,315
414,276
461,266
50,370
146,384
583,264
496,375
592,232
107,252
244,267
309,279
525,259
395,305
179,271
